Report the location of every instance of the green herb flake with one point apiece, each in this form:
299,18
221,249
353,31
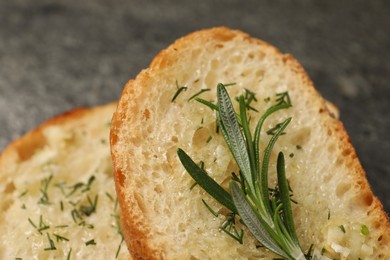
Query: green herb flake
90,242
229,227
69,253
61,226
32,223
75,215
198,93
249,97
364,230
291,155
44,199
209,208
23,193
230,84
298,147
342,228
209,139
60,238
51,244
119,248
179,90
87,210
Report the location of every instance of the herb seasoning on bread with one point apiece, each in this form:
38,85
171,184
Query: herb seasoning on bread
166,215
58,198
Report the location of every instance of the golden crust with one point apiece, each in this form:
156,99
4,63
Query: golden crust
136,230
26,145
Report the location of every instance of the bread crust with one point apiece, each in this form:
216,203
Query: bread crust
26,145
136,229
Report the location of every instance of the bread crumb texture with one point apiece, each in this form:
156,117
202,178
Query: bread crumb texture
165,219
58,198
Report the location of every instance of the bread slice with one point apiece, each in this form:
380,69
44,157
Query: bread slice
57,191
163,218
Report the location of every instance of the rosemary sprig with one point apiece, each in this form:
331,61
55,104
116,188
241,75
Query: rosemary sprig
268,216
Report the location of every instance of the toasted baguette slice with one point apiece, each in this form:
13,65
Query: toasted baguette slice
57,191
163,218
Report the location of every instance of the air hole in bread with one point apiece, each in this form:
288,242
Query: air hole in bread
200,137
157,188
331,147
211,79
380,238
341,189
6,204
136,141
236,59
339,161
147,114
171,156
327,178
9,188
302,137
155,174
259,73
214,64
246,72
347,152
362,200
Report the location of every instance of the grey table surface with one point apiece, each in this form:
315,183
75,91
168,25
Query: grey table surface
57,55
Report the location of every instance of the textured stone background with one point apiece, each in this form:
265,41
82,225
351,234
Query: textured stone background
57,55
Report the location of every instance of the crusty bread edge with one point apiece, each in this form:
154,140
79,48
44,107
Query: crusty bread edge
26,145
134,230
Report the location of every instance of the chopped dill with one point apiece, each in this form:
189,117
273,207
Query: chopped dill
61,226
23,193
119,248
90,242
68,256
109,196
342,228
87,210
44,199
209,208
51,244
179,90
60,238
198,93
